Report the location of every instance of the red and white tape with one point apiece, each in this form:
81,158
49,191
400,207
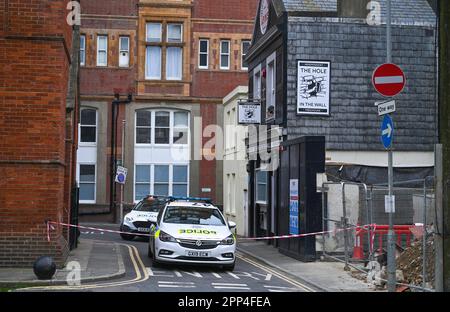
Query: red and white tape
335,231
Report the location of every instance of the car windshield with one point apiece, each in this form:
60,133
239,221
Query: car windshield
193,215
154,206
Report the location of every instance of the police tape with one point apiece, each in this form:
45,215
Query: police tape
335,231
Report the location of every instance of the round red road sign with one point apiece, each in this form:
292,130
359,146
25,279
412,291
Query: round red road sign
388,79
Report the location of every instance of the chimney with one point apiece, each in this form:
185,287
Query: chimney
352,8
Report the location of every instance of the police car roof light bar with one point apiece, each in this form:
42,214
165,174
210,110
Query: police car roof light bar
203,199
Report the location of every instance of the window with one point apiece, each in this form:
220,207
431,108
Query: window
174,63
88,126
271,87
174,32
153,63
162,127
82,50
102,51
244,49
124,51
257,83
225,54
154,32
87,183
203,54
169,42
161,179
261,186
180,128
180,181
143,127
142,182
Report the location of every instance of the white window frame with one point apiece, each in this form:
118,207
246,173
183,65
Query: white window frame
227,54
152,178
271,90
127,50
83,50
200,53
167,32
171,127
167,65
98,50
242,53
96,128
160,31
95,181
147,77
257,86
257,184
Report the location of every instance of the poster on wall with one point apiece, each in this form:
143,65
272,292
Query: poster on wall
313,92
293,207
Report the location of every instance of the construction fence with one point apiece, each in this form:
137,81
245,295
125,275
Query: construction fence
360,209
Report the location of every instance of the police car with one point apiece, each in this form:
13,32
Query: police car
143,215
192,231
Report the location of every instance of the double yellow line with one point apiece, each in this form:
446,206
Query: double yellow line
138,266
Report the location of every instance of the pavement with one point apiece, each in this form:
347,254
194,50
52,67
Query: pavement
98,261
323,275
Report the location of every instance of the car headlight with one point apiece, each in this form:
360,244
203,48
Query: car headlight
228,241
164,237
129,219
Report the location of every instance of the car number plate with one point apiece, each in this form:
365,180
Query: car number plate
197,254
146,230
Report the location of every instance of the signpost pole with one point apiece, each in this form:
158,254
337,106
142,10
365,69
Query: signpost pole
123,164
391,265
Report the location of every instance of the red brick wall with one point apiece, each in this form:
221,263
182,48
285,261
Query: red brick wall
230,9
34,64
109,7
99,81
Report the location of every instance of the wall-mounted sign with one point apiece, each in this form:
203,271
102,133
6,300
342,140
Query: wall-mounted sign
313,92
264,16
249,112
293,207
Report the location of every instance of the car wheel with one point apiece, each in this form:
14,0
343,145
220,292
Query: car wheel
155,262
229,267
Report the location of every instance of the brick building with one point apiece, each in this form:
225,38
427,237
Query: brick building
180,58
38,118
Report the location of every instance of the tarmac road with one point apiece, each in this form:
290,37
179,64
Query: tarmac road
249,275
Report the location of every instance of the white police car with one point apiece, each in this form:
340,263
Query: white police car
143,215
191,231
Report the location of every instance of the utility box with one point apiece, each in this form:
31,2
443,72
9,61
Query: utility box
300,204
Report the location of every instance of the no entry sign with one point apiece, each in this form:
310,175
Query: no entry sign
388,79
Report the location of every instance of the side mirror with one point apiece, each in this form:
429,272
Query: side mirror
231,225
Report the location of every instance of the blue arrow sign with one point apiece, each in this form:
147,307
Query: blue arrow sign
387,131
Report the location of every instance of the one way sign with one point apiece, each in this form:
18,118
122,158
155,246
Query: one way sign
387,131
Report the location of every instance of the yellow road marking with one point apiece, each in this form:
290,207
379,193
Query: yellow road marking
133,255
269,270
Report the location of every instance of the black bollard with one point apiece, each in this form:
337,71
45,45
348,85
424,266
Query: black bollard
44,268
